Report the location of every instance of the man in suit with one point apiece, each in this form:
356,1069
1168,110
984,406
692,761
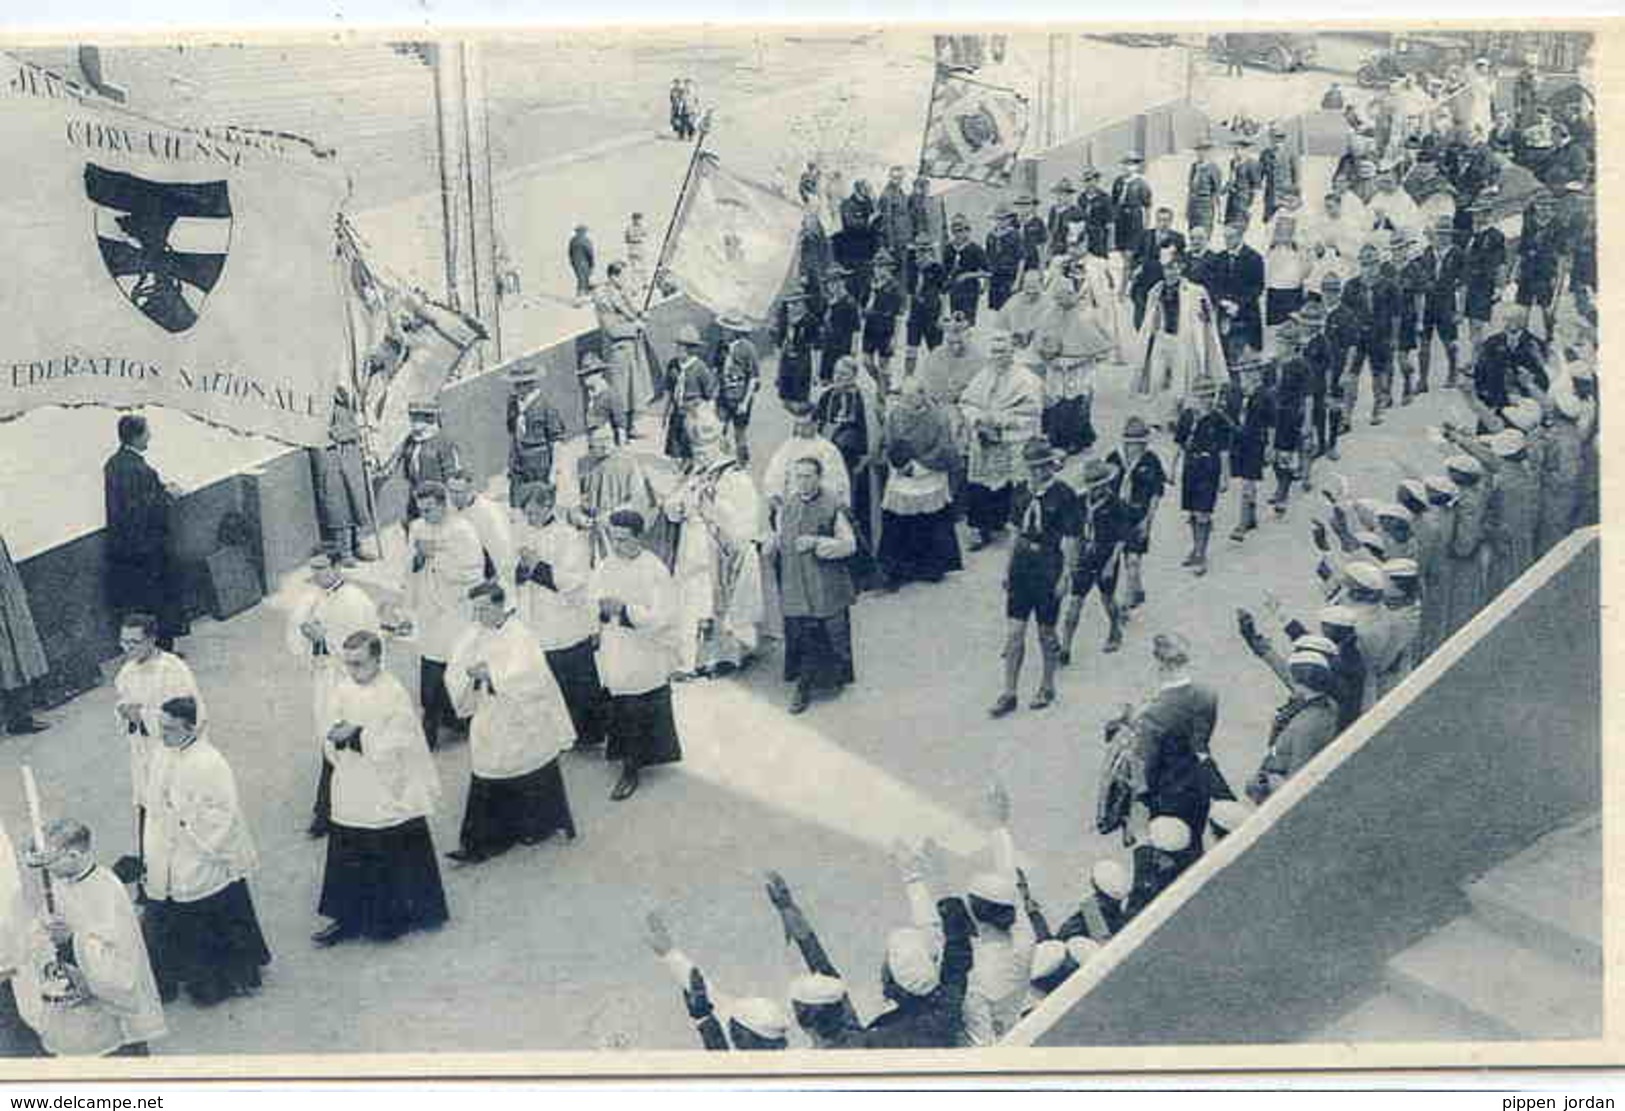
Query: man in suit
534,427
1238,283
140,575
1278,166
425,456
1171,733
1445,267
1146,270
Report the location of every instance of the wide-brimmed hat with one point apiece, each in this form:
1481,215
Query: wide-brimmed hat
1063,186
590,364
1135,430
1097,472
1038,451
423,409
729,322
520,373
689,336
1312,315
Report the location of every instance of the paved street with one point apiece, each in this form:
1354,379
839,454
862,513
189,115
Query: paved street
544,950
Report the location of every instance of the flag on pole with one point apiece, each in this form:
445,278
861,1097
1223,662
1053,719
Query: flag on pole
733,241
154,263
973,132
405,347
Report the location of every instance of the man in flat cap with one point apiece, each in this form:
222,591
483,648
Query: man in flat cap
427,454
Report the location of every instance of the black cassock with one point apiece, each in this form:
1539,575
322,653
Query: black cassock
140,576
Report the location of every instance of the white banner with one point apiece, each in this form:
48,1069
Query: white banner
734,242
149,264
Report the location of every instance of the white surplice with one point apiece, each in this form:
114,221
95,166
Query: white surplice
519,721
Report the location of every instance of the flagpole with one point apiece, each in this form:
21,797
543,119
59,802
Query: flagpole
677,209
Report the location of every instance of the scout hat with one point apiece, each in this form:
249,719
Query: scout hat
591,364
423,409
1038,451
1110,878
1065,185
1089,173
728,322
1097,472
688,336
1135,430
1026,200
1133,158
521,374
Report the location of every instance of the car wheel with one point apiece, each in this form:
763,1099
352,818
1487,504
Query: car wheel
1281,59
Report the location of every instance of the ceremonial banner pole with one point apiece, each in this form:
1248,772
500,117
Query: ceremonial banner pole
677,209
656,380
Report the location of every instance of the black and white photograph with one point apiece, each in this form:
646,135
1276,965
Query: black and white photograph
909,549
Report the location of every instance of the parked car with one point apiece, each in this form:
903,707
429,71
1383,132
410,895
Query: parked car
1137,39
1412,56
1275,50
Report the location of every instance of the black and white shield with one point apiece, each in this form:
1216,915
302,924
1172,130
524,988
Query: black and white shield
164,243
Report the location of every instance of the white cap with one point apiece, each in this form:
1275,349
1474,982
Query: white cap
1401,569
1371,540
912,958
1081,949
1169,834
815,990
1367,576
992,887
1393,511
1441,484
1508,443
1048,957
1465,464
1227,814
1366,508
1524,415
1309,659
1339,615
1416,489
1567,402
1313,642
1110,878
761,1017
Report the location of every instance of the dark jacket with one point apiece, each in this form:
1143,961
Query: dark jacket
137,507
931,1021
